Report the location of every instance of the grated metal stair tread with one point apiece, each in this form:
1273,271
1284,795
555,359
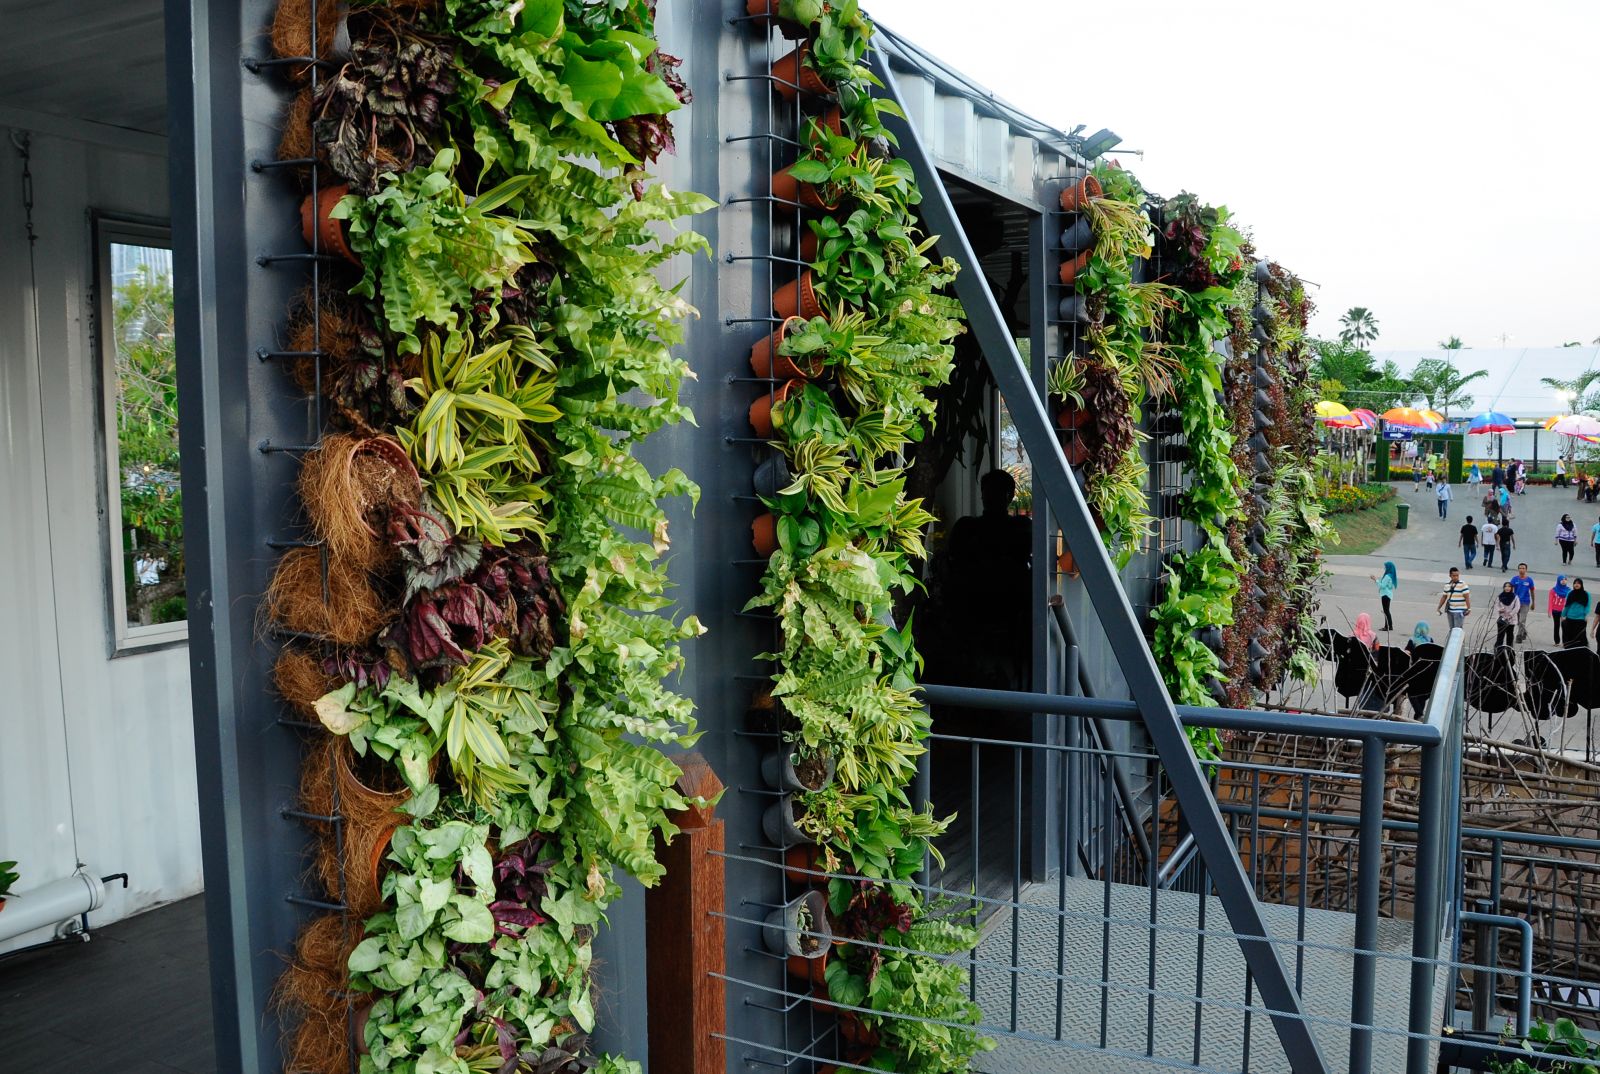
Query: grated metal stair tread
1031,1044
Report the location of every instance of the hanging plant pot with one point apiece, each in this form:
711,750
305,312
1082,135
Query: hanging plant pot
322,230
1261,314
1261,335
801,864
831,120
1263,423
1077,195
811,970
1169,423
809,245
764,534
786,187
854,1031
1072,418
1070,269
1077,236
1217,689
778,824
1074,309
1263,377
812,773
791,74
769,8
291,33
1263,399
798,298
799,928
1067,564
773,474
1210,637
1263,271
765,361
761,409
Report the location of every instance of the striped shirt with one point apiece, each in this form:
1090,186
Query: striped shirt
1455,596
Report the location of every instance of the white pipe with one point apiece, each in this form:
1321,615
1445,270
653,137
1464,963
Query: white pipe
55,902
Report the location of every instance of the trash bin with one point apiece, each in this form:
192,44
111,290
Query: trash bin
1404,510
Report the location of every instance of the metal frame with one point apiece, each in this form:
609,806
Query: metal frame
1117,617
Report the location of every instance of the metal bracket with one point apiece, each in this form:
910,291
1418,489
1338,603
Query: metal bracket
1100,579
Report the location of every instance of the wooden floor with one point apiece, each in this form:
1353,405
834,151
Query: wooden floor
136,999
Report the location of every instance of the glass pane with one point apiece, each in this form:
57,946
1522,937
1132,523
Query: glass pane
145,366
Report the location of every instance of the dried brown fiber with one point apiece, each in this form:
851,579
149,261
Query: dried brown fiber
300,680
349,613
349,485
291,32
368,809
295,142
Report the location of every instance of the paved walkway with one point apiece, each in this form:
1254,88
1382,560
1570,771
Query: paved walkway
1424,552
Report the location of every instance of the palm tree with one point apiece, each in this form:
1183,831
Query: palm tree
1441,385
1360,326
1452,344
1575,389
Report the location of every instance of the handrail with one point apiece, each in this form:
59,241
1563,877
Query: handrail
1314,724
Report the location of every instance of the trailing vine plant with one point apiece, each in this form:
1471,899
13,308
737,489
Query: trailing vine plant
498,635
844,539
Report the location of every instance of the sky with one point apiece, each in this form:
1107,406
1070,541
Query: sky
1436,161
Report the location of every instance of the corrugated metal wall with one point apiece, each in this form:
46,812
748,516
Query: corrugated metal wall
96,754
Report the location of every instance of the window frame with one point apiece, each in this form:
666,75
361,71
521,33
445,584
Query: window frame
106,230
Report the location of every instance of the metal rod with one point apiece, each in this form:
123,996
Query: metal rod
1369,854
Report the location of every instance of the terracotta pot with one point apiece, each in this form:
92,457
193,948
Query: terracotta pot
1067,565
1070,269
853,1031
765,361
1077,195
798,298
315,221
764,534
809,245
761,409
801,862
831,119
808,195
380,848
1072,417
813,970
790,75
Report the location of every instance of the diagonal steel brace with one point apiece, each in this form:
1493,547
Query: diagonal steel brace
1100,579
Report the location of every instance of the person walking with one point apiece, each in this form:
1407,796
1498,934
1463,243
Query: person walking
1386,588
1505,616
1416,477
1503,501
1524,586
1567,538
1497,476
1474,477
1421,634
1507,538
1468,542
1456,600
1556,603
1594,539
1487,534
1560,481
1575,617
1441,492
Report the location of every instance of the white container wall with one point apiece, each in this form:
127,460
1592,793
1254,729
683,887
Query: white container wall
96,751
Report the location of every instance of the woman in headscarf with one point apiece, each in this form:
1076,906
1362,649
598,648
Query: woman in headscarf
1474,476
1386,587
1567,537
1575,617
1557,603
1421,635
1505,616
1363,631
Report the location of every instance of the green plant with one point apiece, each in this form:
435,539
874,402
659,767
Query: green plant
8,877
1551,1047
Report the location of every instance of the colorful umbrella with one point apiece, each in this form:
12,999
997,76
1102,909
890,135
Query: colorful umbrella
1349,421
1409,418
1548,422
1492,422
1577,425
1366,417
1327,408
1434,416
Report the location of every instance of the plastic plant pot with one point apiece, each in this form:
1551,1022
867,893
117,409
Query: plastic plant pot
1263,271
1261,314
773,474
1074,308
765,361
1264,378
1070,269
761,409
1077,195
799,928
812,774
809,246
791,74
1077,236
316,221
778,824
786,187
801,864
798,298
1261,335
764,534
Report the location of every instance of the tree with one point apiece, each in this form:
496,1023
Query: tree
1576,390
1441,385
142,321
1452,344
1360,326
1360,382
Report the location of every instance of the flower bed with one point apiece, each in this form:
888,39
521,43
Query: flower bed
1347,498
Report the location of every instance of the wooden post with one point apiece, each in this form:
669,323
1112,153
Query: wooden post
686,947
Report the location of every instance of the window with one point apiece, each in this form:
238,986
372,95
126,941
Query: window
144,494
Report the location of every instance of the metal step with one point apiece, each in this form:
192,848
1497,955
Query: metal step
1045,1025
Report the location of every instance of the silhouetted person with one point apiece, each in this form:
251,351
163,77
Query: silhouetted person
989,575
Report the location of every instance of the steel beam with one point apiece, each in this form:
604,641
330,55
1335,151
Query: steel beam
1117,616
